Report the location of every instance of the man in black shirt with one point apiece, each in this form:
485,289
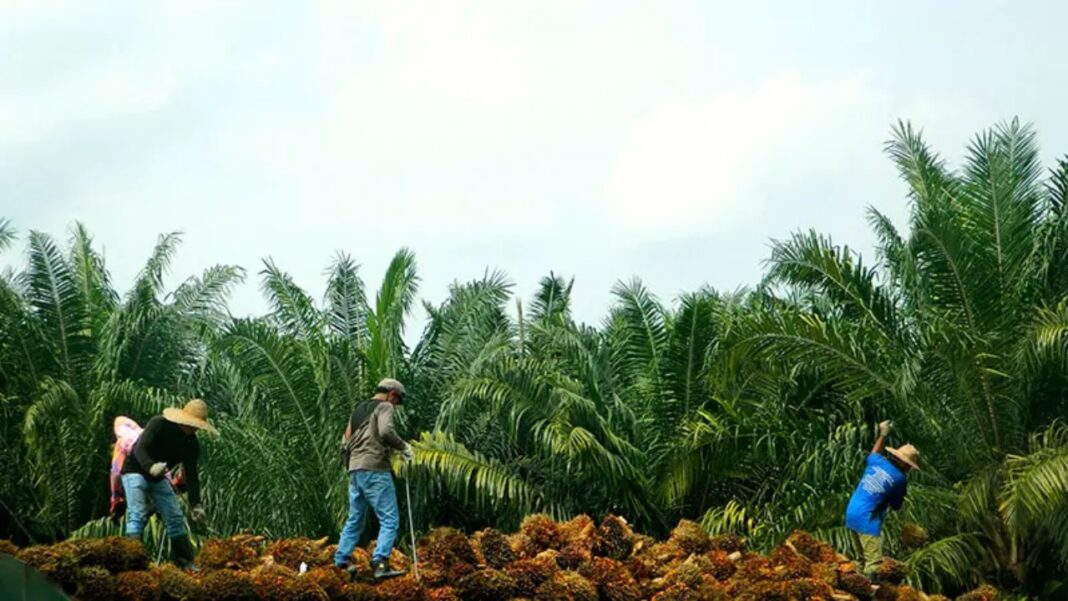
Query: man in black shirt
166,441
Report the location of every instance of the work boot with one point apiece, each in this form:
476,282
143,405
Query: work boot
182,552
350,570
382,571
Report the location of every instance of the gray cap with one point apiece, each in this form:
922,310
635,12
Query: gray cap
390,385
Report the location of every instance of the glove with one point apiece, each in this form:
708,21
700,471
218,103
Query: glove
885,427
157,469
198,515
408,453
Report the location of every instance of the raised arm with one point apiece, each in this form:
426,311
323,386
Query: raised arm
880,440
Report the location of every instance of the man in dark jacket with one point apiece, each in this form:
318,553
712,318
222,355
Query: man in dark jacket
369,440
166,441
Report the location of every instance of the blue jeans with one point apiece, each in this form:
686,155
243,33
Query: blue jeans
374,489
138,492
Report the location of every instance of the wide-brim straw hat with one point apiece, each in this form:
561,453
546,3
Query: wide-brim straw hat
194,414
908,454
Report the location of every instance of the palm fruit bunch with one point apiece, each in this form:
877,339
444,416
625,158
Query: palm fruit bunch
614,538
294,551
529,574
891,571
728,543
493,549
983,593
720,565
137,586
95,584
275,582
176,584
228,585
8,548
114,553
542,532
613,580
241,552
690,537
566,586
57,562
361,591
855,584
329,578
446,556
811,548
445,593
485,585
913,536
406,588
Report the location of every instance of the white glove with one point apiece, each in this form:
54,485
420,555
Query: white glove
408,453
885,427
157,469
197,514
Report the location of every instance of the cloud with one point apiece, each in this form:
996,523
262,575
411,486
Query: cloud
696,165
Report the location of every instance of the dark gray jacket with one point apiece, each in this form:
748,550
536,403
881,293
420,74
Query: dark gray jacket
371,437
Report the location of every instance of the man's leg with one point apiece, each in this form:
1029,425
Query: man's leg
170,511
382,496
353,528
872,547
135,487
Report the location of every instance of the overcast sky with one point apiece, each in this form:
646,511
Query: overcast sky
666,140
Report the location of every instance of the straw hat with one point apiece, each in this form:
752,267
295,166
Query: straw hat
909,454
194,414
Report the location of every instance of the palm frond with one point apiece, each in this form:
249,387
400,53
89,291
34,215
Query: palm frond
7,233
55,297
475,478
346,300
947,563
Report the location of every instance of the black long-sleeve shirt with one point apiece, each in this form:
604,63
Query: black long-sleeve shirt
165,441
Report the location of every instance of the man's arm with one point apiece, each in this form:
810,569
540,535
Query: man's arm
880,440
384,417
140,450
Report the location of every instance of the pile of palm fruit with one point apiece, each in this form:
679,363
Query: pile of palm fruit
577,560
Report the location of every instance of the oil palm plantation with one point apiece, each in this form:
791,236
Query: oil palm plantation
751,411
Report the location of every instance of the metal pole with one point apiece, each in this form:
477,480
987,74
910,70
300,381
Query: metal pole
411,528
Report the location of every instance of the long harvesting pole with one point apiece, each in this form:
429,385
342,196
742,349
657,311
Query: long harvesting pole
411,528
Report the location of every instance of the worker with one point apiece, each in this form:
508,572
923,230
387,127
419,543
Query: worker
882,486
369,440
166,441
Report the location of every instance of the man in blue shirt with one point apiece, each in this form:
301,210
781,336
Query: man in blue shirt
882,487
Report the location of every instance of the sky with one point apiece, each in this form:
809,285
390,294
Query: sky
671,141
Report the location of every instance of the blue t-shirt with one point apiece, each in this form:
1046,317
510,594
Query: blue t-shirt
882,486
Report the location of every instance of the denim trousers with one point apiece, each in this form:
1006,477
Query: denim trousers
139,492
374,490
